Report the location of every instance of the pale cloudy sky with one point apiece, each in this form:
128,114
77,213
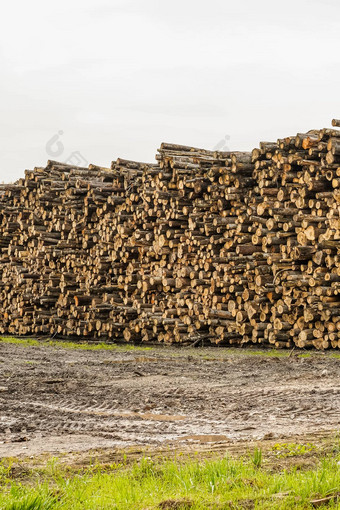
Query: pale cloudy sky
115,78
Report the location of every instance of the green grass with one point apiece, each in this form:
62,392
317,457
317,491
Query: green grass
172,484
87,346
213,353
207,354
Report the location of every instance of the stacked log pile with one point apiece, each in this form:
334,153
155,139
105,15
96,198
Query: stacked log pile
223,247
189,272
297,198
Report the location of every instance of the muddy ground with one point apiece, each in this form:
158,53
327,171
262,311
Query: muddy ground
56,400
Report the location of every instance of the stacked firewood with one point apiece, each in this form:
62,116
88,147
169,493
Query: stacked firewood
222,247
297,199
189,272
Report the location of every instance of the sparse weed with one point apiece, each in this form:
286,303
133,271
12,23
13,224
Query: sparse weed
283,450
257,457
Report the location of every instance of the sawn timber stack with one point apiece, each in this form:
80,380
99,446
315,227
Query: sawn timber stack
223,247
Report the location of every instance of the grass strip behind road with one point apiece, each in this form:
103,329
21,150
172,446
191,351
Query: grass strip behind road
82,345
173,484
211,353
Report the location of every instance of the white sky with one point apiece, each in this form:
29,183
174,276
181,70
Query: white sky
118,77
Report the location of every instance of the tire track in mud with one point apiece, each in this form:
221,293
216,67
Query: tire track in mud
103,410
252,411
97,395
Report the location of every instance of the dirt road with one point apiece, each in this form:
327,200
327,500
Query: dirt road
57,400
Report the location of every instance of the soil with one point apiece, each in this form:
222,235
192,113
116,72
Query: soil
57,400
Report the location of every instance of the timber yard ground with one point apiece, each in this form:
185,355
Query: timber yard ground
115,406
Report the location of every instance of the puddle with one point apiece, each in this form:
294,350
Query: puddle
141,359
153,416
206,438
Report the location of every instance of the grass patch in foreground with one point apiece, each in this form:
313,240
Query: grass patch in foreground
173,484
86,346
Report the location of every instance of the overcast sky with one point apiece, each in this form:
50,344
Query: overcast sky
101,79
